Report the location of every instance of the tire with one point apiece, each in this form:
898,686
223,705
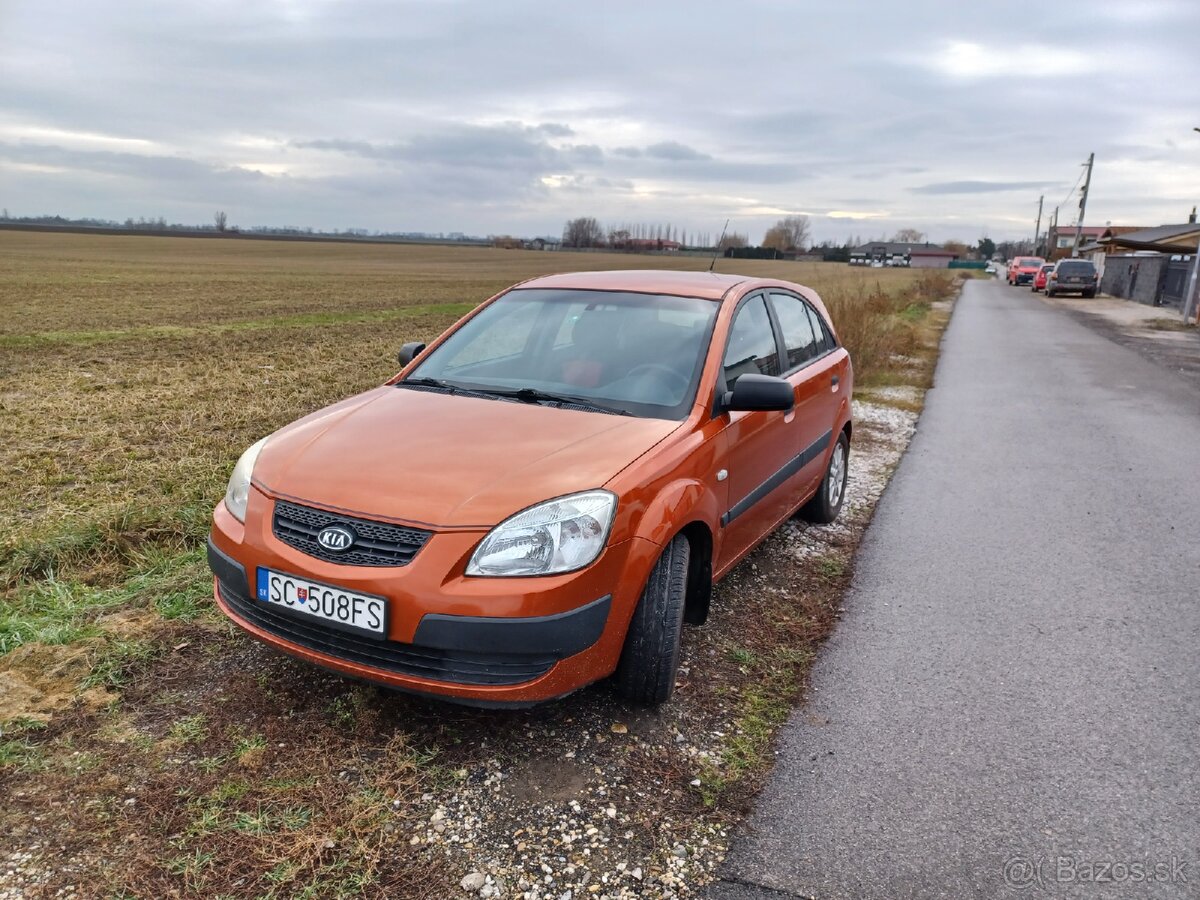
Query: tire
827,502
650,657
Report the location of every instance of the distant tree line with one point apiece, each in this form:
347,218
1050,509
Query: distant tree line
789,234
788,237
220,223
586,232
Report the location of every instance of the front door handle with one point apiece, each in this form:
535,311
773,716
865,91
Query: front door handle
835,381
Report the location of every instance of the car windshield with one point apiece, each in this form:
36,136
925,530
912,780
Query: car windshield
1048,267
1029,263
1076,267
639,354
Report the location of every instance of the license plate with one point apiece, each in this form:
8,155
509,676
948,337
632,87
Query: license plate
1075,280
337,606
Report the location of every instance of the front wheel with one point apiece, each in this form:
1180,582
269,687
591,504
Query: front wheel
825,505
650,658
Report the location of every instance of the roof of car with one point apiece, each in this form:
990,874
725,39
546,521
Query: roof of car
706,285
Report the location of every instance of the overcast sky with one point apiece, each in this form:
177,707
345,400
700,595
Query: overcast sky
510,117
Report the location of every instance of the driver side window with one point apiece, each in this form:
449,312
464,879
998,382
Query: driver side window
751,347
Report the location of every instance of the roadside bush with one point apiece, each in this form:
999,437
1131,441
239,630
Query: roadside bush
877,327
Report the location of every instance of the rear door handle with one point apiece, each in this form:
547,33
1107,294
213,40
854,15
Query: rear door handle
835,381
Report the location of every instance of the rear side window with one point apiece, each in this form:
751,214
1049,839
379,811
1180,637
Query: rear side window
824,337
751,347
800,340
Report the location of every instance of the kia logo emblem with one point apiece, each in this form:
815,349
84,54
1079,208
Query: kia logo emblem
335,538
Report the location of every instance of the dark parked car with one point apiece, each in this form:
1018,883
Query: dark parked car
1073,276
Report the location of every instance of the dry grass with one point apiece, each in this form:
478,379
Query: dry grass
83,284
187,760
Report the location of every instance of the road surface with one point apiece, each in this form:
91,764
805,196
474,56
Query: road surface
1011,703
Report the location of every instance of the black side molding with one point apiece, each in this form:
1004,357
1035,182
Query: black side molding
229,572
562,634
790,468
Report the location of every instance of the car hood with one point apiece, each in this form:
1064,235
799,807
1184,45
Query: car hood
452,461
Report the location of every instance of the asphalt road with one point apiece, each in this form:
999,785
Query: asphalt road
1013,694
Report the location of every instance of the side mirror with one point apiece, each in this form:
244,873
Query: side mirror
759,392
409,351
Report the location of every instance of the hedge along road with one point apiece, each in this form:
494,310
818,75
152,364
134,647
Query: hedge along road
1012,700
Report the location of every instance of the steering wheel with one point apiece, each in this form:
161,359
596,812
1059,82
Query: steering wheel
662,370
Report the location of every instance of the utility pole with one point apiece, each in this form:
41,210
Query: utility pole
1037,229
1191,299
1087,183
1052,230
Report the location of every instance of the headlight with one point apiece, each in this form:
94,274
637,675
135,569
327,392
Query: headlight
238,491
556,536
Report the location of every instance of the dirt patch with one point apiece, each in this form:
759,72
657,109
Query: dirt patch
36,680
547,781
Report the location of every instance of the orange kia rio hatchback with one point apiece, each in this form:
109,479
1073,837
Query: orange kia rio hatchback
547,492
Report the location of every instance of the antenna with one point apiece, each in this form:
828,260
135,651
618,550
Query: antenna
717,249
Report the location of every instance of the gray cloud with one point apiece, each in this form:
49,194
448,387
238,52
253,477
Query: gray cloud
456,116
676,152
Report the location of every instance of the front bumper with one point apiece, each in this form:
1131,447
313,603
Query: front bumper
482,641
1024,278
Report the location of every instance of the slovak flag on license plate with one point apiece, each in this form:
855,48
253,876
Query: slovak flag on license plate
302,593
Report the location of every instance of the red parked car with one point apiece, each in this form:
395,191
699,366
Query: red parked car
1023,269
1039,280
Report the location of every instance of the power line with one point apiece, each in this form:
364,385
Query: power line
1075,185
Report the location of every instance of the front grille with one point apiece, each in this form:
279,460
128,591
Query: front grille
456,666
375,543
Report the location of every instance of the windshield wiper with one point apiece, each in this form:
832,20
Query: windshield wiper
442,385
535,395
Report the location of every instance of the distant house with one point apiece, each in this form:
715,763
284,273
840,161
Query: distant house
1150,265
543,243
899,253
1061,239
652,245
